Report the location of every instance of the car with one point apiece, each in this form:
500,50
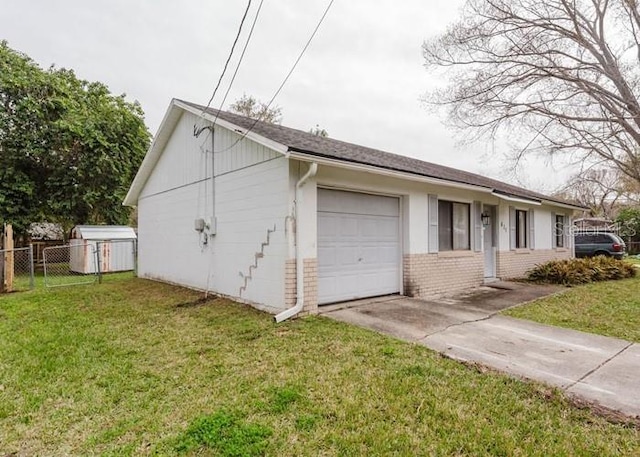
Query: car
590,244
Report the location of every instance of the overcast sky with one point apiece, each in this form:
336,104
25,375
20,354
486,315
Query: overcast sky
361,79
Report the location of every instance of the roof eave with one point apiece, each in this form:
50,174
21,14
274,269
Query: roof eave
276,146
169,121
359,166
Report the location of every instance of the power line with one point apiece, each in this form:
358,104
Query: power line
229,57
244,49
304,49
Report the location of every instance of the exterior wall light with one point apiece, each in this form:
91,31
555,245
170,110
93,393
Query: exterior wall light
486,218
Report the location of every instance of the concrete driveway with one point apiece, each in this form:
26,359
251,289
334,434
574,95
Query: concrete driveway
598,369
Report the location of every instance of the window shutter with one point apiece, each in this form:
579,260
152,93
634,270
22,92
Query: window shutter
433,223
512,228
532,230
554,231
476,225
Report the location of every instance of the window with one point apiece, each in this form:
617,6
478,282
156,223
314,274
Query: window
559,231
453,226
521,229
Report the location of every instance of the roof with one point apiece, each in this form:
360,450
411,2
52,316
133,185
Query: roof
104,232
312,146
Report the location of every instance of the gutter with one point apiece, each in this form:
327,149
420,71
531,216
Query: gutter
516,199
286,314
356,166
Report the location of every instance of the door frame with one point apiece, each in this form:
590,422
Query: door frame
493,224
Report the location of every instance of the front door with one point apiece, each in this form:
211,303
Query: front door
489,244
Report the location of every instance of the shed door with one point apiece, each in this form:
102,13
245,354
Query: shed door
358,245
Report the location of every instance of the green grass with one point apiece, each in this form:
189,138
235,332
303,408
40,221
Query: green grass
633,259
131,367
610,308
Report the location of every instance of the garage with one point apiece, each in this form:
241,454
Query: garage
358,245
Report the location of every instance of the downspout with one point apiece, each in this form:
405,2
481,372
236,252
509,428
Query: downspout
286,314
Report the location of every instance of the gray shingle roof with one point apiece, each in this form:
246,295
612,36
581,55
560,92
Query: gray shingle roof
313,145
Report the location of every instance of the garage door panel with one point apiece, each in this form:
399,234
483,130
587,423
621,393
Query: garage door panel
347,226
346,257
358,245
338,201
327,227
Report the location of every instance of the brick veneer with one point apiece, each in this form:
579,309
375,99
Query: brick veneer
429,275
310,286
515,264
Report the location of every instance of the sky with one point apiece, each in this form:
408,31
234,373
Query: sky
362,78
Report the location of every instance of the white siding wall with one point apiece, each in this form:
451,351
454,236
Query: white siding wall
541,219
503,227
251,197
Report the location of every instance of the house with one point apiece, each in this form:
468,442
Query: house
356,222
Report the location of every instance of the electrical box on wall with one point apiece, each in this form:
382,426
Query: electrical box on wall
198,225
212,225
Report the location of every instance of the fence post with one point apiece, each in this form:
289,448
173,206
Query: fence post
8,258
98,261
135,257
32,272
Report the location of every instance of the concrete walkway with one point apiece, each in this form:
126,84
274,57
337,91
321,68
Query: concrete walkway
598,369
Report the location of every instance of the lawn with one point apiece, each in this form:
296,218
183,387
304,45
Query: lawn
132,367
610,308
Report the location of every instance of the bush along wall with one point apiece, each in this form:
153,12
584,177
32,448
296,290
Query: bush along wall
570,272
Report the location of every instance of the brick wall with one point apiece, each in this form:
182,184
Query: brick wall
290,283
310,286
430,275
515,264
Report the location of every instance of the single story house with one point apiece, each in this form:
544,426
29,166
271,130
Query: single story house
288,221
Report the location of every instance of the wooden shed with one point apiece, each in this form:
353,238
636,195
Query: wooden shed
110,247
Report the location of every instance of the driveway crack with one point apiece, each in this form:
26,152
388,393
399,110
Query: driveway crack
590,372
456,324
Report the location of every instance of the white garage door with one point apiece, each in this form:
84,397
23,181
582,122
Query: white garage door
358,245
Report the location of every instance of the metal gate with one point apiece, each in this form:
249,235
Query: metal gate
60,265
85,262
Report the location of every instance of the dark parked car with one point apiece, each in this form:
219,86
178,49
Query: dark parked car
599,243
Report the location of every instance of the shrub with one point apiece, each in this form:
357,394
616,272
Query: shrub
571,272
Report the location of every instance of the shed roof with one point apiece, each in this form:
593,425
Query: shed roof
104,232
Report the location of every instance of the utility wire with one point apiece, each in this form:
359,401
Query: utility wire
244,49
229,57
304,49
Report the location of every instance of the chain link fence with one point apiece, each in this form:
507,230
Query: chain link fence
79,262
87,262
69,265
16,269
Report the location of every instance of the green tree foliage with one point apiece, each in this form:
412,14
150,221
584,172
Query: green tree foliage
68,148
251,107
629,222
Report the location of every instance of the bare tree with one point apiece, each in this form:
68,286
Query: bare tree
561,75
317,131
598,189
249,106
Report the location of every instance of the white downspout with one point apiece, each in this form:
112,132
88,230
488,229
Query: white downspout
286,314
